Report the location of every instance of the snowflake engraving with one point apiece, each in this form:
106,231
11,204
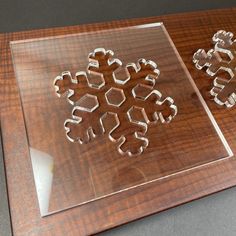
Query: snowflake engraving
120,101
221,64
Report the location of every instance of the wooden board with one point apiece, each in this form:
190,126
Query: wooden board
188,32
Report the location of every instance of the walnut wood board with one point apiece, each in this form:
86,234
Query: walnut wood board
188,32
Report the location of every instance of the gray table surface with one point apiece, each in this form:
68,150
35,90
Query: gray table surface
214,215
5,223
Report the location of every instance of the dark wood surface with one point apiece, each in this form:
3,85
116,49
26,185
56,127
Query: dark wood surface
189,32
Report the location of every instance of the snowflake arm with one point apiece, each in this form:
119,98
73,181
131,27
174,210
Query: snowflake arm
221,64
224,43
67,86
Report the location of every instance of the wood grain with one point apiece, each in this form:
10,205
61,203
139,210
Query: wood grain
189,32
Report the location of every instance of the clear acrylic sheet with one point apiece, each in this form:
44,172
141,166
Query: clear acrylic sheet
69,171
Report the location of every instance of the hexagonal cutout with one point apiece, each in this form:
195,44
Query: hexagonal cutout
115,96
95,80
137,115
87,103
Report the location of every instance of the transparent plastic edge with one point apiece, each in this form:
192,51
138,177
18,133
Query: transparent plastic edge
148,25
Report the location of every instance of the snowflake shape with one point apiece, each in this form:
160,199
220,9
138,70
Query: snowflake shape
114,100
221,64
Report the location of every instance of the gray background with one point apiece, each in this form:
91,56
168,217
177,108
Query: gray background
5,225
214,215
